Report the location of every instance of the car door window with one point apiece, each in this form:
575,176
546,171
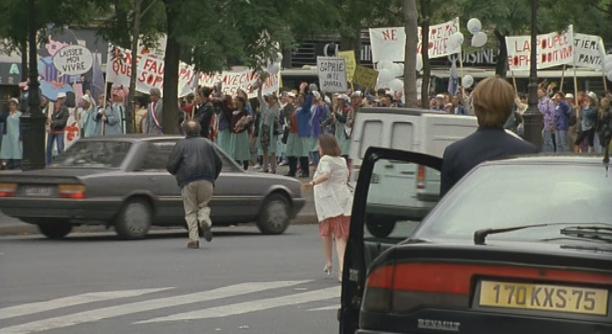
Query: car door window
157,155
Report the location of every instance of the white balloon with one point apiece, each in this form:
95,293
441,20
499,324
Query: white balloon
396,85
274,68
384,65
467,81
384,76
279,57
455,41
479,39
397,69
609,75
419,63
607,63
474,26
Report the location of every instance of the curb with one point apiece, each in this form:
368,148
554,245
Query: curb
27,229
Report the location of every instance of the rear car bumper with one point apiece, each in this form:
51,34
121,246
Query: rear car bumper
477,322
86,209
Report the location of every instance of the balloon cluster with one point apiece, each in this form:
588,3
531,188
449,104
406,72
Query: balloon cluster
388,73
479,38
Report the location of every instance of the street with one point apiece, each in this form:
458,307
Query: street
242,282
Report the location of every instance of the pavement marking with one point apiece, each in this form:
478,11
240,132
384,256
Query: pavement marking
85,298
325,308
146,305
251,306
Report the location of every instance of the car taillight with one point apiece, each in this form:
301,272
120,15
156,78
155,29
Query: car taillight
421,177
74,191
8,189
408,286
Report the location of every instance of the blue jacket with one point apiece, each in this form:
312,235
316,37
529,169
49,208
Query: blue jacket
562,116
303,116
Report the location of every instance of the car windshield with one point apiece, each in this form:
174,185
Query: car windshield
505,196
93,154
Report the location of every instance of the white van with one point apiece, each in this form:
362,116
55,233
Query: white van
403,191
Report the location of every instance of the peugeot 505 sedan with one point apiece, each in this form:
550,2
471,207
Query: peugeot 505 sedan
522,245
122,182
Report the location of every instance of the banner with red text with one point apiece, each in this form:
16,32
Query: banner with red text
388,43
553,49
232,81
150,72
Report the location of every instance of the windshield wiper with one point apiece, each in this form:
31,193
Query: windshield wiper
481,235
589,232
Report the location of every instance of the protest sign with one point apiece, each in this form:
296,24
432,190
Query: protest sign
332,74
388,44
232,81
351,63
73,60
553,49
365,77
590,51
150,72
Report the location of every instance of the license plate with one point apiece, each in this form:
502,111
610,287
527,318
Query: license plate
35,191
544,297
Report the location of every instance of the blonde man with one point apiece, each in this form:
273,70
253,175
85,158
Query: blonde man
493,99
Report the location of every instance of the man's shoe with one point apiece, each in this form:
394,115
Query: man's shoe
207,233
193,244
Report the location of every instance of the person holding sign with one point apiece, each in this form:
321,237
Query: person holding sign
239,138
547,108
343,118
113,115
268,128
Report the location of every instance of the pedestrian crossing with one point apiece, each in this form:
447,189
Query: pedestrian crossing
243,298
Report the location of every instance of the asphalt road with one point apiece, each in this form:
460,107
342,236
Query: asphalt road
242,282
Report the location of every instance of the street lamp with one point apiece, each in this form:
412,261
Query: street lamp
533,119
33,121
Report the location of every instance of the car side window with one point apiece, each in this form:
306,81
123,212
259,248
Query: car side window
157,155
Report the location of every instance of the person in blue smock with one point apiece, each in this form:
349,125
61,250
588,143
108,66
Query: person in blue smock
11,150
113,117
88,117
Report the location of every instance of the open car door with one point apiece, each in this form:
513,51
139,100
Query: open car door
395,191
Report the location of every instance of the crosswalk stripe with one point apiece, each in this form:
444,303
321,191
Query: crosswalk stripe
251,306
142,306
85,298
325,308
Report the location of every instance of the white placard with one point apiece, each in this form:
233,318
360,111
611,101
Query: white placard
245,80
553,49
332,74
73,60
388,44
590,51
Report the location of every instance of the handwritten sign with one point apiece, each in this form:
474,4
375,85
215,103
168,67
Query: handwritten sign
590,51
150,72
365,77
388,44
553,49
332,74
232,81
351,63
73,60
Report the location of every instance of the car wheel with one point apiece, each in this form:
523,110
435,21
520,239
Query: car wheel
134,220
380,227
274,215
56,230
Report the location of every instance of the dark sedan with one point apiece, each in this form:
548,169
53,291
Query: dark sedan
518,246
123,182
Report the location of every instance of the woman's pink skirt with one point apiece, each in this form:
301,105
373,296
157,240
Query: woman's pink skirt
338,227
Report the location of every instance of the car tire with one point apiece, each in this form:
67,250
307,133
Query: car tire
274,216
56,230
380,227
134,219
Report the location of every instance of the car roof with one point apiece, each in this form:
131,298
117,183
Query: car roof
134,138
548,159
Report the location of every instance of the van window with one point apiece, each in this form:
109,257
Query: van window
371,136
401,136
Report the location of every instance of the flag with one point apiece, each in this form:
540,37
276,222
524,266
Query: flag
97,78
453,80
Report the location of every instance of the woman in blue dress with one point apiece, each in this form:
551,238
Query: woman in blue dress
11,150
225,119
268,129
